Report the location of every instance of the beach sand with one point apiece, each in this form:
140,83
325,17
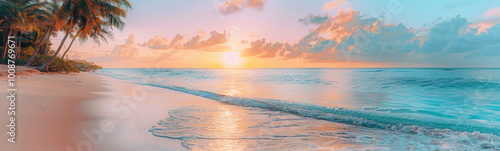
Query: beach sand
75,111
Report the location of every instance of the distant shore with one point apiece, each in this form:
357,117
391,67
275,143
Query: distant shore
66,111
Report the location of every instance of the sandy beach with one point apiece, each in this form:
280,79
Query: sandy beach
86,111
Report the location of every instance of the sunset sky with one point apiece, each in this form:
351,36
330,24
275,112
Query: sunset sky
302,33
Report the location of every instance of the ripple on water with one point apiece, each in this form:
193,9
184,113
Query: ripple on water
228,127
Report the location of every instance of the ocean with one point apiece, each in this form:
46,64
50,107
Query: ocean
325,109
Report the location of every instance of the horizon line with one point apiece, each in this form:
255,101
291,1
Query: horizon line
329,68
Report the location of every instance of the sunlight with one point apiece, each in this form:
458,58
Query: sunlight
232,59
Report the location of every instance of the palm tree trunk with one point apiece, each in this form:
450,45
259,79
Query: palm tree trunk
45,66
47,44
64,54
4,53
38,46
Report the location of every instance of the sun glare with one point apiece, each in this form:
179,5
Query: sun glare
232,59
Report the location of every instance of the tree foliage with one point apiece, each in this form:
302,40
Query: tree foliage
78,19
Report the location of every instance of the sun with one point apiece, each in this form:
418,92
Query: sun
232,59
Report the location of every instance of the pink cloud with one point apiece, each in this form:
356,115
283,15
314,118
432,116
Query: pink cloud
257,4
232,6
127,50
491,18
262,49
215,39
215,42
482,26
492,12
334,4
343,37
349,36
158,42
337,5
128,55
162,43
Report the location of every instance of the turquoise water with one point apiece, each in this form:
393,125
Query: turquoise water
396,109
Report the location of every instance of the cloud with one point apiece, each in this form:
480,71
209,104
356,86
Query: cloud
162,43
160,49
492,12
487,44
262,49
128,55
484,24
157,42
195,40
215,39
214,43
329,6
232,6
491,18
314,19
443,34
128,50
257,4
349,36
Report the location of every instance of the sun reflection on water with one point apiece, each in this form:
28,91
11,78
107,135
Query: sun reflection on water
229,129
233,83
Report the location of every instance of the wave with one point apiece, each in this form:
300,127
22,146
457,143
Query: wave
367,118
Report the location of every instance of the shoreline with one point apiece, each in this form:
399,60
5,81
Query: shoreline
75,111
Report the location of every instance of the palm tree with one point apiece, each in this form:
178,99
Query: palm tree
8,32
21,15
49,27
90,13
47,42
70,44
97,33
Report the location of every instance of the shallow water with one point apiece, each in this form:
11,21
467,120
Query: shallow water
396,108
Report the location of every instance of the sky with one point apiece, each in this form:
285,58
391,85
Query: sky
301,34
